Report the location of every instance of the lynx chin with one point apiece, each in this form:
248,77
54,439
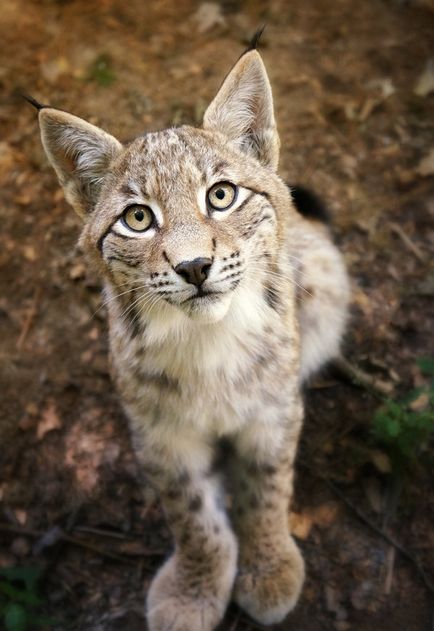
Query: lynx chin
222,298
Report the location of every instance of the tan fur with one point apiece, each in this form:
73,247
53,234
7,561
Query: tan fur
210,385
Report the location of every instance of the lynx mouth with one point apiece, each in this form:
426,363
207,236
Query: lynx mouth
202,296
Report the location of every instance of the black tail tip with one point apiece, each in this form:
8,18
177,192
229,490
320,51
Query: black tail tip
309,205
38,106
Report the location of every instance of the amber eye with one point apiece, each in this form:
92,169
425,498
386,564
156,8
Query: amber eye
222,195
138,218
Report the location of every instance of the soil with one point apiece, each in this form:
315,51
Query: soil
353,129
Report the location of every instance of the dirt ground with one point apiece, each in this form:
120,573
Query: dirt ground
357,126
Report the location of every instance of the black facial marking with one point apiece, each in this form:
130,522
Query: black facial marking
130,262
102,237
272,297
166,258
246,201
219,167
127,190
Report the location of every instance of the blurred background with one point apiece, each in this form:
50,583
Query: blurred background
80,533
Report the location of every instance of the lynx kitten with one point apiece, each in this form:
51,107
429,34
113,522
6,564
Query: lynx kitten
221,299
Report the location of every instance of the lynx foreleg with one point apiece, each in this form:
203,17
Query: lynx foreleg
271,568
192,589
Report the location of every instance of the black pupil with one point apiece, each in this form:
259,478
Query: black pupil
139,215
220,193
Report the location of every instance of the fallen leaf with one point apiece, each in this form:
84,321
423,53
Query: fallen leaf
29,253
421,403
20,516
209,15
300,525
380,460
77,271
426,165
384,86
324,515
49,421
373,494
425,83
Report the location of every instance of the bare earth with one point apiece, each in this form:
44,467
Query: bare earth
353,129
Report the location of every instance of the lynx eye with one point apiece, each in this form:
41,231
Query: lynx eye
138,218
222,195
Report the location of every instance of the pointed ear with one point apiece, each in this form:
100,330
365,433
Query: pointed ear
80,153
243,110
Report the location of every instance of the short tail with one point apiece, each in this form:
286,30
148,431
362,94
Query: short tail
309,205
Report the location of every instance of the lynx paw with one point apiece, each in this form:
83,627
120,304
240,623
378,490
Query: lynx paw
176,604
268,588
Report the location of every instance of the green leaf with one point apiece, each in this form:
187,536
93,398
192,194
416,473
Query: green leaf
101,71
13,593
28,574
15,618
426,365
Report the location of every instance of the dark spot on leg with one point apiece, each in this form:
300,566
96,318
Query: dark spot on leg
183,478
253,501
195,504
173,494
269,469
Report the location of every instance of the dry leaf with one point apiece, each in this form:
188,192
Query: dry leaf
374,495
29,253
426,165
20,516
300,525
380,460
49,421
324,515
421,403
77,271
425,83
209,15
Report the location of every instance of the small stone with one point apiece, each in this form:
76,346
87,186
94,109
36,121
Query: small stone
20,547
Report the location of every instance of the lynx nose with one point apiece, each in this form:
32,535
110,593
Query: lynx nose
194,272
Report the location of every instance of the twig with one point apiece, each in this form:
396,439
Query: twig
359,376
29,319
362,517
390,566
111,534
68,538
234,625
396,229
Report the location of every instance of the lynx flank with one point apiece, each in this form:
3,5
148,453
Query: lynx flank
221,299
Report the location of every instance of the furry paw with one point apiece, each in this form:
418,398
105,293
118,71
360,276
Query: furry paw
177,602
268,588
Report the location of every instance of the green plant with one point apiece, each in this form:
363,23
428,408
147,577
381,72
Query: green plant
101,71
405,427
19,600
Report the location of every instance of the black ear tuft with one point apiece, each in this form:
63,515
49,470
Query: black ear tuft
33,101
253,45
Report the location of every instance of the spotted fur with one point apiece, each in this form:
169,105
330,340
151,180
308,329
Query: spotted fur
197,371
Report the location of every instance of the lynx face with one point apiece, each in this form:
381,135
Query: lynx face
179,219
184,225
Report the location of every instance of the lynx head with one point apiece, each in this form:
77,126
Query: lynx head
180,219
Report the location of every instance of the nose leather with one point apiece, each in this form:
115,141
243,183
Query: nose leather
194,272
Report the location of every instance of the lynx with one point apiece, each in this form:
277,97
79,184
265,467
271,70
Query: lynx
222,298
